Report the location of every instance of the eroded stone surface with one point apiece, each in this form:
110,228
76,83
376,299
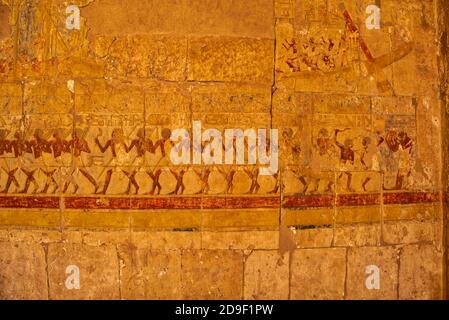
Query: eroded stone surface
318,274
22,272
194,17
266,276
147,274
420,274
98,271
362,281
212,274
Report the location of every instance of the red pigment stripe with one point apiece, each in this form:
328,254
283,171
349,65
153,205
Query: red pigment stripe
165,203
123,203
213,203
411,197
353,28
29,202
308,201
445,197
171,203
252,202
132,203
358,199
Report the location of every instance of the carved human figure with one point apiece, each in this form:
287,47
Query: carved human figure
402,145
228,173
58,145
154,175
347,157
41,145
4,143
286,137
19,147
179,176
204,177
294,161
324,143
304,172
253,174
162,143
365,159
120,158
5,148
155,172
77,146
277,183
405,158
142,145
370,158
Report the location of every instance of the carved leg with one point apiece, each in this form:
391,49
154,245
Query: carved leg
30,179
90,178
317,186
107,181
349,182
132,181
304,183
11,179
365,183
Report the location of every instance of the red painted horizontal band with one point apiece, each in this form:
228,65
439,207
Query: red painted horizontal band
358,200
25,202
318,201
171,203
217,202
411,197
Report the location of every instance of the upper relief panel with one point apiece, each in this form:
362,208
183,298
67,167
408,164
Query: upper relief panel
249,18
140,39
364,47
5,39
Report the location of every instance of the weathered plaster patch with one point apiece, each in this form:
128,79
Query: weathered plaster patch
5,27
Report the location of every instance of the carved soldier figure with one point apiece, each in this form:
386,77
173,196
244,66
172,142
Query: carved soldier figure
347,157
40,145
19,147
299,174
204,177
120,157
161,143
405,157
4,144
229,177
324,143
5,147
155,175
366,160
277,185
401,144
253,175
156,172
292,150
77,146
58,144
179,176
142,145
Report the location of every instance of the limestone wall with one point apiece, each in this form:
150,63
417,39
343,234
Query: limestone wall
361,114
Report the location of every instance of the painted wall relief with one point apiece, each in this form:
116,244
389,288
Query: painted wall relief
344,107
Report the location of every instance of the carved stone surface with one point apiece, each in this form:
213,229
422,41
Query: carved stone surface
86,175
